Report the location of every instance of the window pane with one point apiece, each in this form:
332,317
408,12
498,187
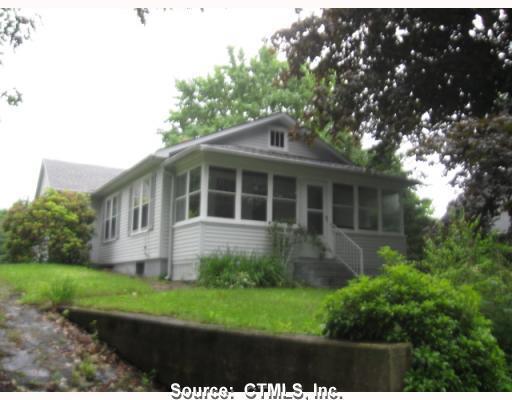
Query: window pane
254,183
114,206
221,205
135,219
107,229
181,185
136,195
343,217
180,210
145,191
145,216
222,179
368,219
113,226
390,211
315,197
284,187
107,211
315,222
368,197
343,195
284,211
194,204
195,180
254,208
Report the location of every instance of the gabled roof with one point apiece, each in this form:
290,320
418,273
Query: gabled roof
85,178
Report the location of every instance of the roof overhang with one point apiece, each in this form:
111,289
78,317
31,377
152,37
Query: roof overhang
352,169
139,169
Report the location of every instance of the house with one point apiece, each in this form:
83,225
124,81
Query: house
222,190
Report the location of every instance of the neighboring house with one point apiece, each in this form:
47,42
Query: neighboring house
222,190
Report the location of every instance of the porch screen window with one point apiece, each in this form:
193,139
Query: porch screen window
254,196
221,192
391,213
190,191
110,218
368,209
140,204
277,139
343,206
284,202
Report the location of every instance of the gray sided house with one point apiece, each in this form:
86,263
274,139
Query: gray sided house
221,191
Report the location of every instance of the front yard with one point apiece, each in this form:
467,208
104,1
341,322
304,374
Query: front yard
272,310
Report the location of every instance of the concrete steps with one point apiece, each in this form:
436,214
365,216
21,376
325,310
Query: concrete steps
321,273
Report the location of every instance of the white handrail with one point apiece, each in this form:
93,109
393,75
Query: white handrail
347,251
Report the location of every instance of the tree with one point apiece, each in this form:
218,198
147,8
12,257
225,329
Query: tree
2,234
417,74
15,28
55,227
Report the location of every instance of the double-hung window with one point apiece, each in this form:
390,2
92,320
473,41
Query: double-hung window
284,201
391,211
140,204
254,195
111,217
221,192
343,206
368,209
188,187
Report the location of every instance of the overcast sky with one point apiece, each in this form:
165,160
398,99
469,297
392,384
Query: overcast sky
97,85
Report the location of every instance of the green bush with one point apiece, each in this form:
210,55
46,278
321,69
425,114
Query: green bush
61,292
465,255
240,270
56,227
453,348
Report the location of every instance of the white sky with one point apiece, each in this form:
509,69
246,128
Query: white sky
97,85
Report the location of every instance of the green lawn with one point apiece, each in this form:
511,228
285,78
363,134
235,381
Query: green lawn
273,310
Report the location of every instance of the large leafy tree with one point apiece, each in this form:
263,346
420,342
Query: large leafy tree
15,28
55,227
2,234
430,76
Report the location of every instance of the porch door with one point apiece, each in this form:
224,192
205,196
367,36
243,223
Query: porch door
315,210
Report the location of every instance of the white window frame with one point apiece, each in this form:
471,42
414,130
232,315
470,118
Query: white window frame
285,139
140,185
344,206
235,194
274,197
259,196
108,216
188,193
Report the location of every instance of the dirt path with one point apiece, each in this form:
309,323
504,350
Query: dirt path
42,351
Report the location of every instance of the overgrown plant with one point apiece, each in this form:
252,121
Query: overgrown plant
286,237
231,269
61,292
463,253
453,347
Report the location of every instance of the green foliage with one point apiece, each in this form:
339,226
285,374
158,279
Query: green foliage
418,221
235,93
61,292
465,255
240,270
3,213
55,227
453,348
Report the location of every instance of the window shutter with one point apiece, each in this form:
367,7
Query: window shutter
152,201
130,211
119,209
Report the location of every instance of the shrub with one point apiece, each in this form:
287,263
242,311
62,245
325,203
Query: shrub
61,292
55,227
239,270
453,348
465,255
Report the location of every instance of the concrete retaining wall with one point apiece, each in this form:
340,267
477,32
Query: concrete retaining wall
204,355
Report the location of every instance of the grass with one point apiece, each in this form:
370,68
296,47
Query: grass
35,281
290,310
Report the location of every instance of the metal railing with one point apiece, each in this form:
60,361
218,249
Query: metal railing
347,251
